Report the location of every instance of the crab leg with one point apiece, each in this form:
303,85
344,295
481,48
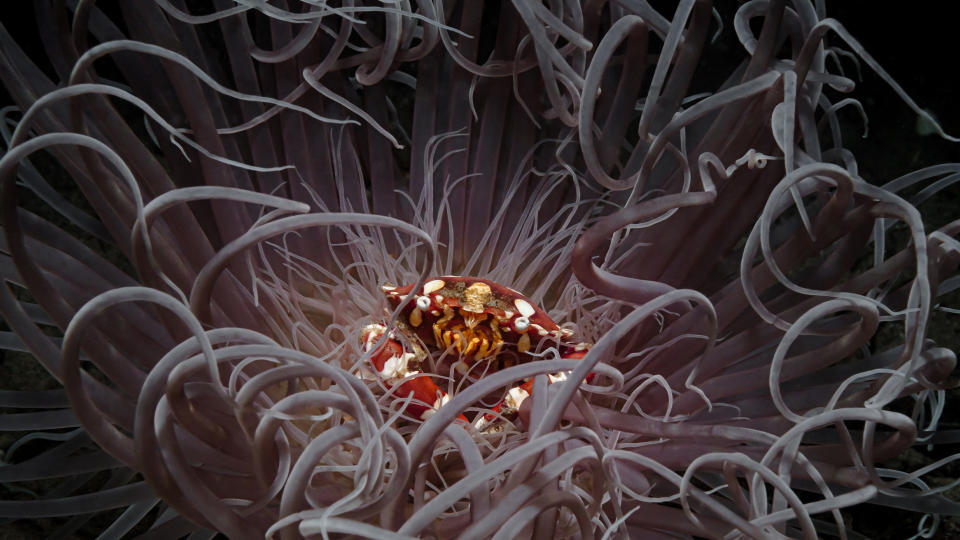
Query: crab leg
391,362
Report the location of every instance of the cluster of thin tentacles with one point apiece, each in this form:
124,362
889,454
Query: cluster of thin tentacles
259,170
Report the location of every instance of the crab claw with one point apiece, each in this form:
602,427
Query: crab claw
427,397
391,362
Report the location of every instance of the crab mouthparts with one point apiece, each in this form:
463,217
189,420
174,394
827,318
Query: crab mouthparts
471,320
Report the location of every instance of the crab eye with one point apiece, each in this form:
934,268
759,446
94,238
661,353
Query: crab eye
521,324
423,303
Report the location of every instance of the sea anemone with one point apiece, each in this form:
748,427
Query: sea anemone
206,206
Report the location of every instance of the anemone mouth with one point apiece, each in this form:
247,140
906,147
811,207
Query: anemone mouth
703,347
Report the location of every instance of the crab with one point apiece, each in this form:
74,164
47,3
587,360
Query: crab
467,321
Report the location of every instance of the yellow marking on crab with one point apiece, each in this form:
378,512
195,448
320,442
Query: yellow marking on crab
523,344
433,285
441,322
471,346
484,350
415,318
476,296
497,338
524,307
449,338
490,348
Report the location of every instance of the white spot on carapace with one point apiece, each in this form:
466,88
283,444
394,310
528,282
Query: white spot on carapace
581,346
541,331
423,303
558,377
433,285
524,307
515,397
508,314
387,288
521,324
